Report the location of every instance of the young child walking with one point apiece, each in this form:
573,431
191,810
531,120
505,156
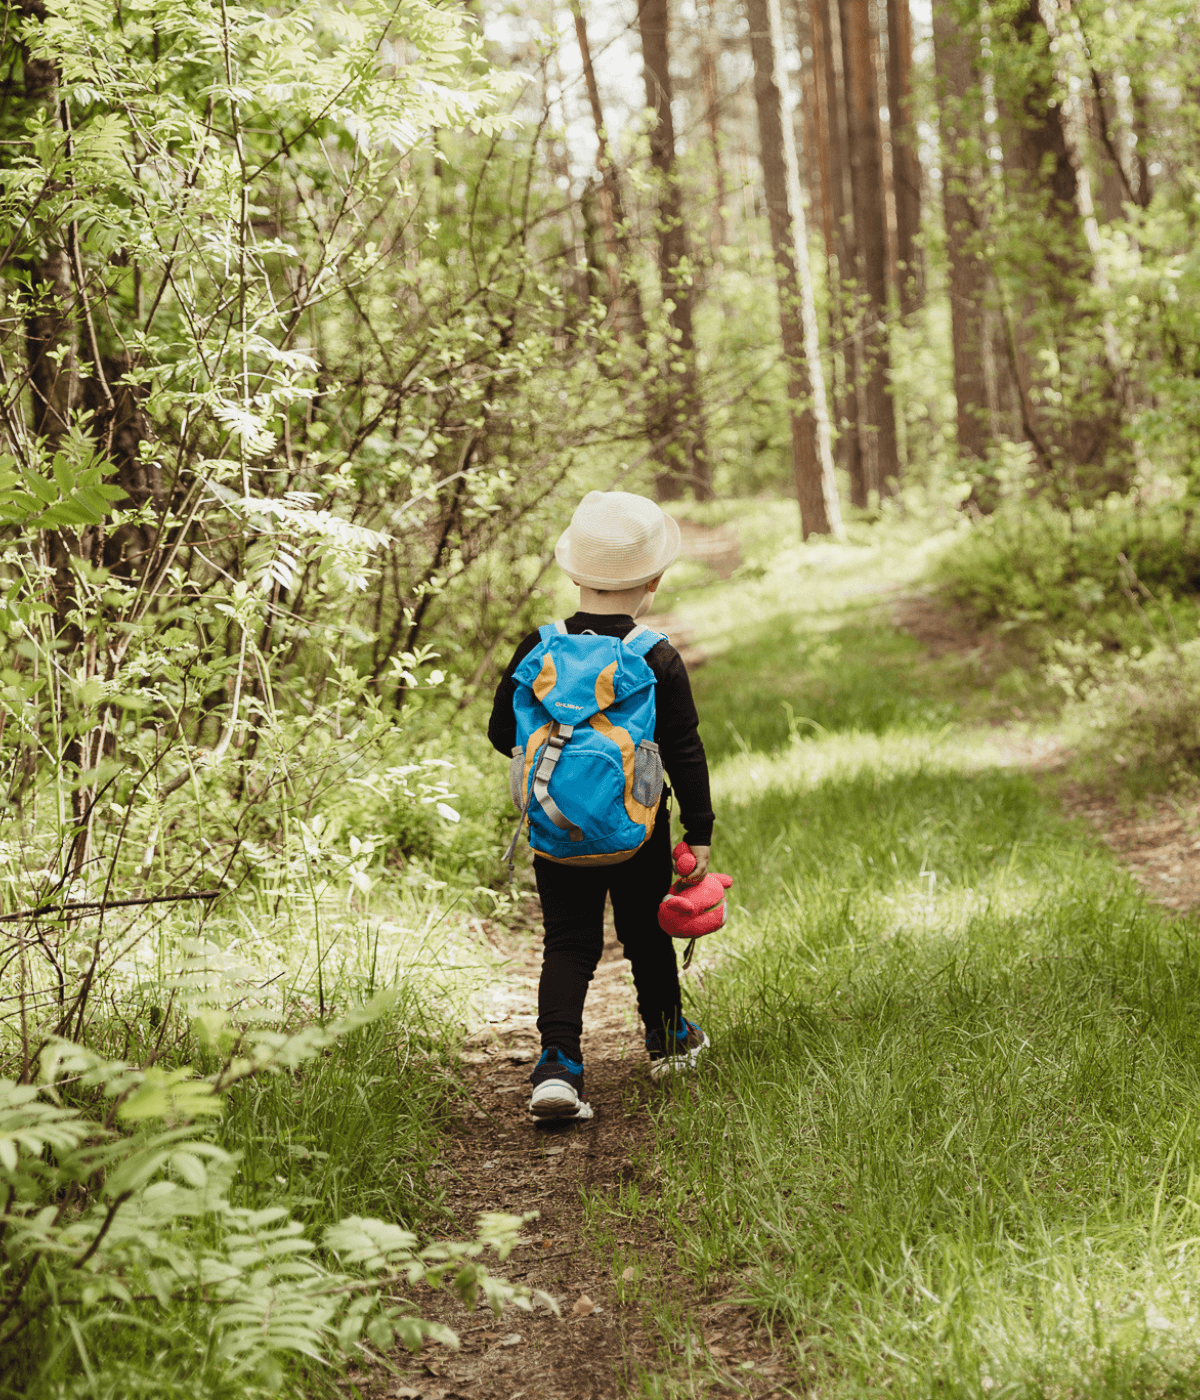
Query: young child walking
615,550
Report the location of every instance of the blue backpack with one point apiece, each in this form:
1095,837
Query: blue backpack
586,774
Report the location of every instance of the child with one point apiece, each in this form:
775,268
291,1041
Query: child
616,549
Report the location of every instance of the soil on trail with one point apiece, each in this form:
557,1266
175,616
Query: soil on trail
1158,842
496,1159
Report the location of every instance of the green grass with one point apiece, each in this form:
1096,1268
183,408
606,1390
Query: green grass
946,1142
357,1133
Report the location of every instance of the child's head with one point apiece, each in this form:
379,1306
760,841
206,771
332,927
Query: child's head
616,549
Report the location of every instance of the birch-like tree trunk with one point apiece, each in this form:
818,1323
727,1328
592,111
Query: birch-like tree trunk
812,449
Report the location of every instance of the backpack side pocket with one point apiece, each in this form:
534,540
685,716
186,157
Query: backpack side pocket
647,774
516,778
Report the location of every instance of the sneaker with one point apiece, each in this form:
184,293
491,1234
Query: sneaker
558,1088
682,1050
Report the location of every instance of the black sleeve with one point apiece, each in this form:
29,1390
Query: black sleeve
678,736
502,727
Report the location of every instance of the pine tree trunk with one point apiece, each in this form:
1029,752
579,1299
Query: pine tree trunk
623,294
906,167
840,251
956,53
812,452
1072,437
866,182
676,426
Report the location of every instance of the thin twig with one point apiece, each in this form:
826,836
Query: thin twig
102,904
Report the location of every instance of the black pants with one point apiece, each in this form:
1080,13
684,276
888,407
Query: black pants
573,916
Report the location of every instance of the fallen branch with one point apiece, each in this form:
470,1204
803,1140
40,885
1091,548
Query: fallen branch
102,904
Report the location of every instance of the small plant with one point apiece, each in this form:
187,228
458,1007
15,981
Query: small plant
1045,574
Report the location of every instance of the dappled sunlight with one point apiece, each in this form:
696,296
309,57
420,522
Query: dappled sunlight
822,582
808,762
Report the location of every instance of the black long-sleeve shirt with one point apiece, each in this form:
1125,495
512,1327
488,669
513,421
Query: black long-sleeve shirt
676,729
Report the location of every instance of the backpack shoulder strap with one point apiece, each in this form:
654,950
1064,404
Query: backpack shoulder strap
550,629
642,639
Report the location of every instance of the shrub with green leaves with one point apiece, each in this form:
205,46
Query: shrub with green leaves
1133,719
1120,574
118,1236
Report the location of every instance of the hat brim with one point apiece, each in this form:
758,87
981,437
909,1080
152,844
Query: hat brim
670,552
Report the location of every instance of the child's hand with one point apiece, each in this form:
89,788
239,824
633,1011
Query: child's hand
694,876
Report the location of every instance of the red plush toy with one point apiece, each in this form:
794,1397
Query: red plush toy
697,909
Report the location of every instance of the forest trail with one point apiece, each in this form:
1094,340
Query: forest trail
1157,841
898,858
496,1159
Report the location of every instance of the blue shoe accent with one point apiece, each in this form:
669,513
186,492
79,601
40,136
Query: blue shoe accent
556,1058
675,1050
558,1087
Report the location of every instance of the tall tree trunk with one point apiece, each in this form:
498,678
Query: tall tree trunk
52,350
1114,187
1073,432
676,426
623,295
956,54
712,115
876,29
812,450
1141,136
817,28
866,182
906,166
51,336
840,254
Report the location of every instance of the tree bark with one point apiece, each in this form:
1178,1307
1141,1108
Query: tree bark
866,183
1072,433
712,113
812,451
51,336
676,426
906,166
840,254
623,295
956,54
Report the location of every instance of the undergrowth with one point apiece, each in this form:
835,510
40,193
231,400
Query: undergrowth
1111,574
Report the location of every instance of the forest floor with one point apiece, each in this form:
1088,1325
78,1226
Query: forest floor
496,1159
937,1147
1156,839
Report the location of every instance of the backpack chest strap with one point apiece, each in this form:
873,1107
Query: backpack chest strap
545,771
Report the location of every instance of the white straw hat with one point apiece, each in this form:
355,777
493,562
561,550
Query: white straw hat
617,540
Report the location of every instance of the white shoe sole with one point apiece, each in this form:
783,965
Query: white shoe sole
676,1064
555,1098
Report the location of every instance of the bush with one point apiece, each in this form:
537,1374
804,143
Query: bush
127,1267
1134,717
1046,574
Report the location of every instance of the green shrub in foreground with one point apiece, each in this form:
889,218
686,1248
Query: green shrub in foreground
1135,717
126,1267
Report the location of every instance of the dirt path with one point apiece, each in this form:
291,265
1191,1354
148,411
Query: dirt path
495,1158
